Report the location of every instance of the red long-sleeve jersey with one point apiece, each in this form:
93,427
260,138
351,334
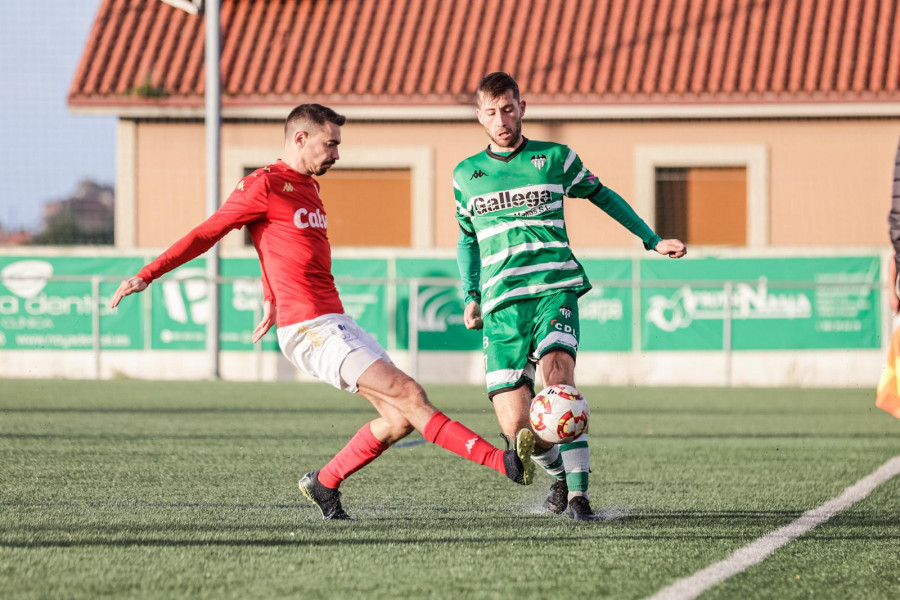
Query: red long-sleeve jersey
284,214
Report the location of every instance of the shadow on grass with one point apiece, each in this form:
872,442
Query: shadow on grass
373,541
380,525
631,514
602,533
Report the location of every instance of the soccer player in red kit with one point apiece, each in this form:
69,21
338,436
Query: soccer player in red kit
280,206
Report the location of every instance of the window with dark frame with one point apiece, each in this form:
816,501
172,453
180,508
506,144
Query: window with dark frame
702,205
365,207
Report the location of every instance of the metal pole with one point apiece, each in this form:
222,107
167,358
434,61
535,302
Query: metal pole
726,333
637,317
888,325
95,323
148,318
257,347
213,126
414,328
390,295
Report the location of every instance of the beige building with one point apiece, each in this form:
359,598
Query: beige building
729,126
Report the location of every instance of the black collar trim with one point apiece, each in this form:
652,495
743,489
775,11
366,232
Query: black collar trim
508,157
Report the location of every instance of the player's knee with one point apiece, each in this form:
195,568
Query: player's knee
401,428
511,423
558,368
558,377
407,391
397,428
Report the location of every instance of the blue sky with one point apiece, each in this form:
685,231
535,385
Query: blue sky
46,151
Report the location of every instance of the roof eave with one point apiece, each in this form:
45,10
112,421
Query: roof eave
539,108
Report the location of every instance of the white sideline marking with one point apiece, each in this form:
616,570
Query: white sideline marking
749,555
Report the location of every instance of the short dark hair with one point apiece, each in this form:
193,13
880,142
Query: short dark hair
494,85
312,113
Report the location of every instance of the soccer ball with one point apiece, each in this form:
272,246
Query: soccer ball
559,414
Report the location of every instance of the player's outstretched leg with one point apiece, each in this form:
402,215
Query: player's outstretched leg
327,499
382,382
515,463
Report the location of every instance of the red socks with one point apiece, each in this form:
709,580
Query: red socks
362,449
459,439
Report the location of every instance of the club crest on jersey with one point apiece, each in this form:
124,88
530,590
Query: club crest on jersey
538,160
303,219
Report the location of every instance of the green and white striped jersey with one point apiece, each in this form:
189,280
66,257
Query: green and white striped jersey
513,204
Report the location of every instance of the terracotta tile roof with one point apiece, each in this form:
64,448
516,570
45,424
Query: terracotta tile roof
408,52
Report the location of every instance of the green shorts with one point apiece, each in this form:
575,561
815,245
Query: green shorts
517,335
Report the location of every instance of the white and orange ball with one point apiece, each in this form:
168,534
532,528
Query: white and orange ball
559,414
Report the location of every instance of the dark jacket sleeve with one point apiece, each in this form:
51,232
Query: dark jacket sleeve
894,215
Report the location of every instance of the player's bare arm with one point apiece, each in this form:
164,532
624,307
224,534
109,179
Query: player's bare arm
268,319
126,288
671,248
472,316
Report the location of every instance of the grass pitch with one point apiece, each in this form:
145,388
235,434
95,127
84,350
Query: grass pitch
134,489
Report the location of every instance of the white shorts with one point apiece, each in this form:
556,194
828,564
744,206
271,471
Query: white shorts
332,348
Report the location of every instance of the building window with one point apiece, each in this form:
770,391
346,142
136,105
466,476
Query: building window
375,196
702,205
368,207
365,207
705,194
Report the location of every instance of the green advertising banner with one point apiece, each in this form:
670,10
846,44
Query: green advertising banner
440,307
41,310
775,303
181,308
605,313
365,302
241,303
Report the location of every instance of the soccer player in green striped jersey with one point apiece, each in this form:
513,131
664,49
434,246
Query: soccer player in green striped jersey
520,278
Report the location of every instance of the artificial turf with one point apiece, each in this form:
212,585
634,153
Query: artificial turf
139,489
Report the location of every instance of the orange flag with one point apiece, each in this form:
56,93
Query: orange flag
888,395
